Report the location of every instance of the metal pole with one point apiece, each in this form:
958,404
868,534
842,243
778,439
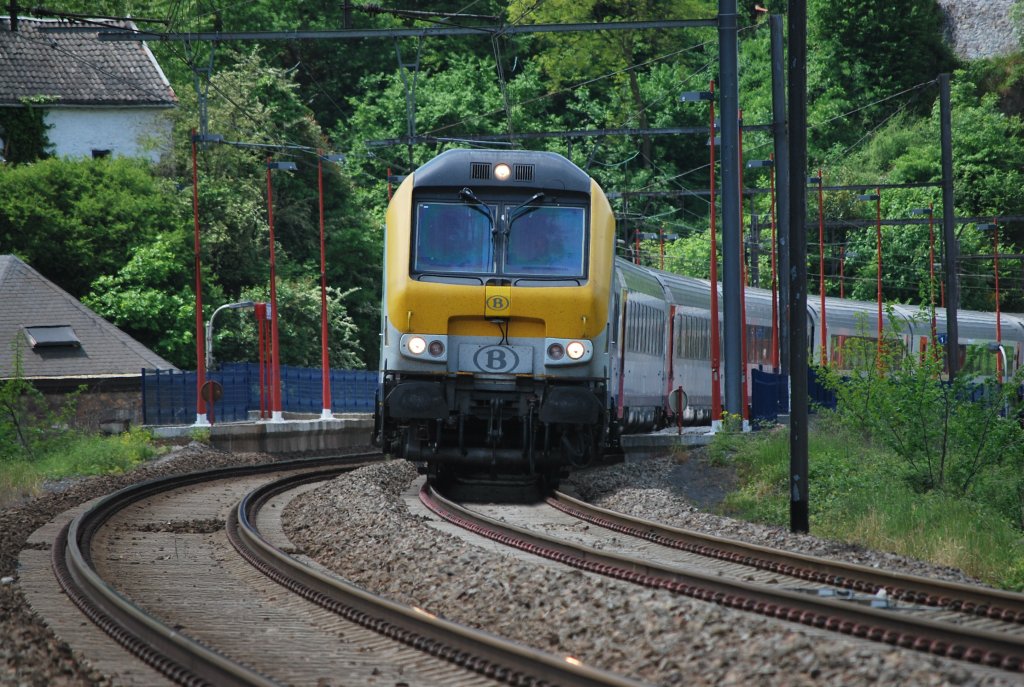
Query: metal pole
275,353
325,413
745,406
799,519
948,237
732,279
821,270
781,135
716,350
931,270
201,419
999,329
775,276
878,251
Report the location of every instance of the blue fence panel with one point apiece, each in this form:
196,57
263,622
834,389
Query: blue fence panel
233,405
353,391
769,395
169,397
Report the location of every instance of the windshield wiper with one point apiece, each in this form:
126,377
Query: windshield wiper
467,194
514,214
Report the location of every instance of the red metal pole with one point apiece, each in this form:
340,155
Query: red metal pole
821,269
200,330
745,407
716,357
878,251
775,283
999,329
931,271
261,333
661,240
325,362
275,353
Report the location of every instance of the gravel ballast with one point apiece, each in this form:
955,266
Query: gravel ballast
359,524
360,527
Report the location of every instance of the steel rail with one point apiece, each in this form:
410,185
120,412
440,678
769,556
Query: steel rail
176,656
476,650
939,638
993,603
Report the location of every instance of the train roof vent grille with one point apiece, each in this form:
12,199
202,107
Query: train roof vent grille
523,172
480,170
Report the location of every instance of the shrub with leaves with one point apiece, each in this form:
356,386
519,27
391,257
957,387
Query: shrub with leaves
961,437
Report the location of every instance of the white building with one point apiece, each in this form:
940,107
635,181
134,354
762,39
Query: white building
98,97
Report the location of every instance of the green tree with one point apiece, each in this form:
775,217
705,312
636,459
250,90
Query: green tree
865,51
152,297
74,220
298,303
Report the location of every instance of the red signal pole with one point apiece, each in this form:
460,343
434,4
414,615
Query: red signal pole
775,282
995,266
821,270
745,406
201,419
716,354
275,354
325,413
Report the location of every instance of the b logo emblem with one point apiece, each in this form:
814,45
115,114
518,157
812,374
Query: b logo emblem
496,359
497,303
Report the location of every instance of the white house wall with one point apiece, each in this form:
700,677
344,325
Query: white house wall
127,132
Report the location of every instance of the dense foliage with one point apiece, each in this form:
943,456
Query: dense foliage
127,227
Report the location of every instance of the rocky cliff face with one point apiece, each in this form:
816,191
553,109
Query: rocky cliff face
980,28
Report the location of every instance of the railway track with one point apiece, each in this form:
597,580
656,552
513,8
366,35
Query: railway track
945,619
152,566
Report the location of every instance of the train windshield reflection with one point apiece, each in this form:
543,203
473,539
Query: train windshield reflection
547,241
452,237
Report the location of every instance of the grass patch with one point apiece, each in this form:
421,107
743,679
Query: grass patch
861,494
73,455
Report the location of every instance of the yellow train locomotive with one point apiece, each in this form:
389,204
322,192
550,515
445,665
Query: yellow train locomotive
494,321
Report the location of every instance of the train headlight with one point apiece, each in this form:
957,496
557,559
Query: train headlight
417,345
567,351
502,171
432,348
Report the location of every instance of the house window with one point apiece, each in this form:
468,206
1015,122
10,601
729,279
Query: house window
52,336
97,153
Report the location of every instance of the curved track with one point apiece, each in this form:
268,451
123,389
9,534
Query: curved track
151,565
958,621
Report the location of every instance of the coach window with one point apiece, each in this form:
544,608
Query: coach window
547,241
452,237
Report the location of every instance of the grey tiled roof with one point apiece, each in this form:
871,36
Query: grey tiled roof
28,299
77,68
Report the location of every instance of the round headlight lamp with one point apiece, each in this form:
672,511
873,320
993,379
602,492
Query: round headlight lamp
417,345
502,171
575,350
436,348
556,352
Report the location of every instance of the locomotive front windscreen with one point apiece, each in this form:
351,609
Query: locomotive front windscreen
546,241
453,237
529,241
